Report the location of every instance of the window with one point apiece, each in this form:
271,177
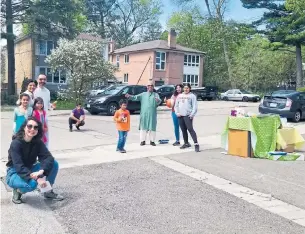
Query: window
160,60
193,80
140,89
59,77
125,78
191,60
126,90
168,89
118,60
45,47
302,97
126,58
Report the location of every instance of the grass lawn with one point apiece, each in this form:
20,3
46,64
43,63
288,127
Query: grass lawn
61,105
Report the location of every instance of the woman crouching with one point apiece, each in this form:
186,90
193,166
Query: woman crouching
24,173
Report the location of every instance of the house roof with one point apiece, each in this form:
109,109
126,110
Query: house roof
157,44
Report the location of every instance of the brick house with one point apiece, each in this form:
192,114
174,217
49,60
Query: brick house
30,54
164,62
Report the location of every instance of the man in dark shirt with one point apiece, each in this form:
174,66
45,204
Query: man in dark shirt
77,117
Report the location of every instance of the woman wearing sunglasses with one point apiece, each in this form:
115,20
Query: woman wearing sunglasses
24,173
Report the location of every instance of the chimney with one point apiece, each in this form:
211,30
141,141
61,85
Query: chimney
111,46
172,38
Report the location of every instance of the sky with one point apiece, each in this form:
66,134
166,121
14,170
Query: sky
235,11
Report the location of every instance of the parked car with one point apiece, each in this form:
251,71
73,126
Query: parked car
239,95
206,93
165,91
97,91
108,101
286,103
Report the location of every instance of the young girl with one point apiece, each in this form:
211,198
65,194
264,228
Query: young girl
186,109
40,114
22,112
178,90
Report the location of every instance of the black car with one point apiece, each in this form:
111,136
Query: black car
206,93
108,101
165,91
286,103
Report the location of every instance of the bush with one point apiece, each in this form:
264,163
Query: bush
53,95
302,89
65,105
8,99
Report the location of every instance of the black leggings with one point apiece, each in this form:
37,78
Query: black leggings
72,121
186,124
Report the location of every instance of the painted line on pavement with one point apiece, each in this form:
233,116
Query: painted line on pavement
262,200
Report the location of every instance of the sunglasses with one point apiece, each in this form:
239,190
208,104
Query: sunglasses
42,79
30,127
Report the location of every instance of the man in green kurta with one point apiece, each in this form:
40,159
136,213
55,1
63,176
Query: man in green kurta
148,117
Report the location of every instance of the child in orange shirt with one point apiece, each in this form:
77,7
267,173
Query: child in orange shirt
122,119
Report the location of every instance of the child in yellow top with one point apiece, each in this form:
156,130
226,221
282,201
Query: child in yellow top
122,119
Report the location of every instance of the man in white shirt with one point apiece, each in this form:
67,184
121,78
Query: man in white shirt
44,93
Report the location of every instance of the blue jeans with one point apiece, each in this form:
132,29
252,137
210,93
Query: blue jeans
122,140
15,181
176,126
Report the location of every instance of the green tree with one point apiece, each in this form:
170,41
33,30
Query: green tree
285,25
47,17
152,31
122,20
83,62
100,12
258,69
201,33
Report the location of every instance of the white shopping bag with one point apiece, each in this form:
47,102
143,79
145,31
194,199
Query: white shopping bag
46,189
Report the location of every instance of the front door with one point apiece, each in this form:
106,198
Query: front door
238,96
230,95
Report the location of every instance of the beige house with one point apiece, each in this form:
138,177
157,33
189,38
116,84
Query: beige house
165,62
30,54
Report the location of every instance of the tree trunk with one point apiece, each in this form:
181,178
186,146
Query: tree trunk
208,7
300,81
102,29
228,62
10,48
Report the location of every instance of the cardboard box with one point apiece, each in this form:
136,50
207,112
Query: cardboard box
239,143
289,148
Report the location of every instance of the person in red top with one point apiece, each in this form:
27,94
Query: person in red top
122,119
178,90
40,114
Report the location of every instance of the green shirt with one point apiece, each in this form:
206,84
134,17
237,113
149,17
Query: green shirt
149,104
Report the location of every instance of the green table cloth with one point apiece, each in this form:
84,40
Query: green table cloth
263,132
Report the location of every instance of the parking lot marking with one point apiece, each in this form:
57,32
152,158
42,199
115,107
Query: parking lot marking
264,201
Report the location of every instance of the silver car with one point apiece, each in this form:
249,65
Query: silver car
239,95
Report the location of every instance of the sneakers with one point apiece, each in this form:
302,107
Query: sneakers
77,127
122,151
16,197
142,143
185,145
53,196
177,143
152,143
197,149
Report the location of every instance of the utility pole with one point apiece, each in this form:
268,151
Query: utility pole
10,48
